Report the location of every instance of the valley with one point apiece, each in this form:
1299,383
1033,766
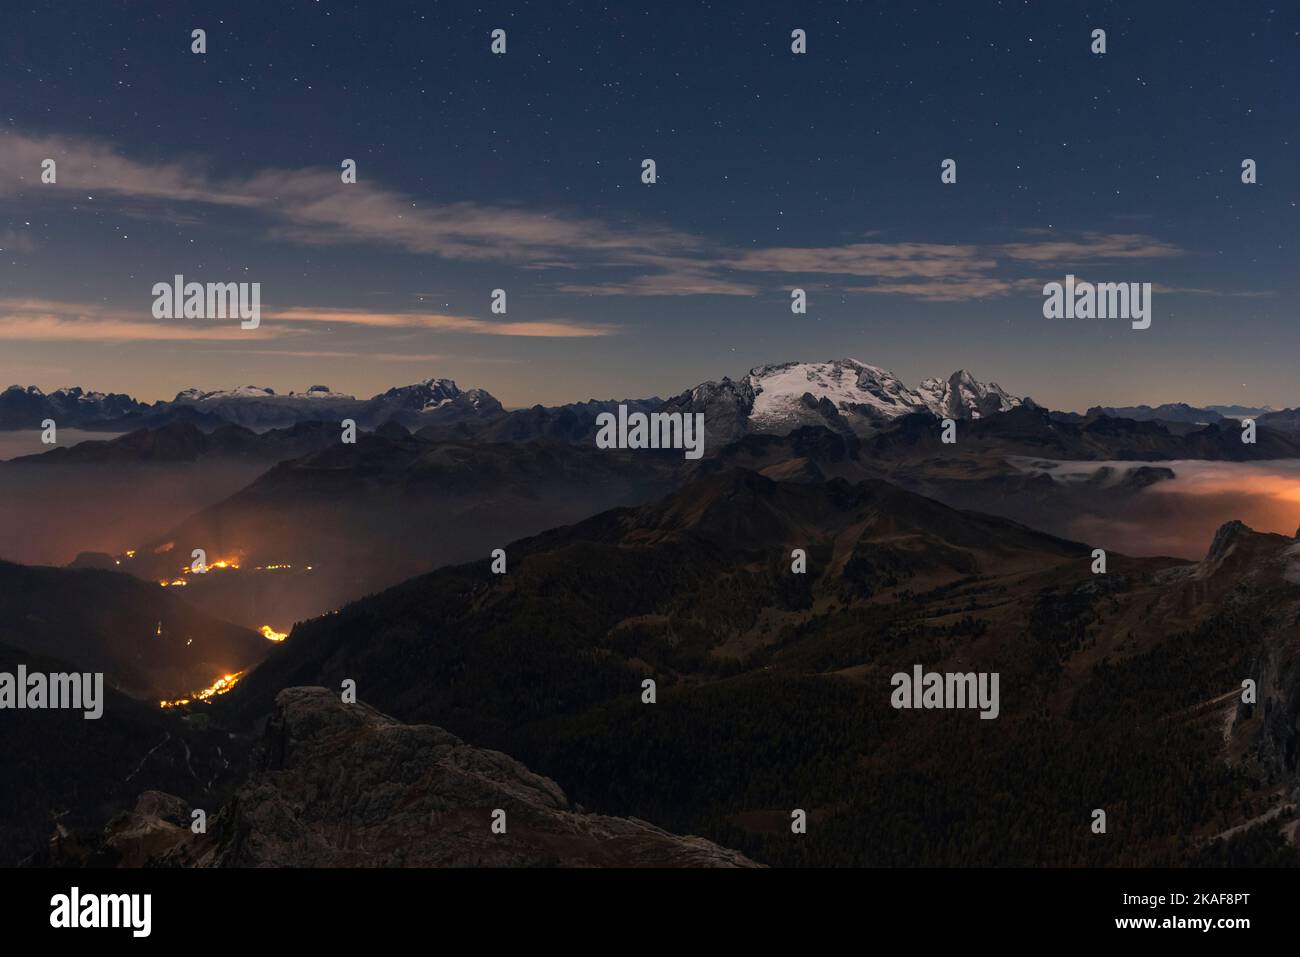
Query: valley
329,562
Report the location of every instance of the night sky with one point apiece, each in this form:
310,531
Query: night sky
775,171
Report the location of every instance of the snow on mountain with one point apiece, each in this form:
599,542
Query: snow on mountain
260,407
26,407
414,405
429,394
319,392
243,392
260,392
962,396
848,385
843,394
75,394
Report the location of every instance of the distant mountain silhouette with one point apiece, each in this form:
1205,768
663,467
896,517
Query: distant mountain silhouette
186,442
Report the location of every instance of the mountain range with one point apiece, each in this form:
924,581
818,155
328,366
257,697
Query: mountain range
844,395
337,521
773,684
253,407
1182,412
182,441
26,408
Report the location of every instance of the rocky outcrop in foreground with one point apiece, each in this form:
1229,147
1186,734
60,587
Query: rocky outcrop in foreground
341,785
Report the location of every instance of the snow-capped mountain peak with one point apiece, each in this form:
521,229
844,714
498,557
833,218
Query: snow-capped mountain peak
847,384
27,407
243,392
319,392
843,394
259,392
962,396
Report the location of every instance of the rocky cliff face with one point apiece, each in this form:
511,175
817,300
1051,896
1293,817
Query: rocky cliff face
338,785
1266,733
1277,744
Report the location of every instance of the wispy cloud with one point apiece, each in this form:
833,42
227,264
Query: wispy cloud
377,356
85,165
313,207
683,282
878,259
954,290
41,320
1226,293
987,271
49,320
1088,247
545,328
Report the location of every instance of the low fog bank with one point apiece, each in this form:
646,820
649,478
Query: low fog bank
50,513
1179,516
28,441
301,557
